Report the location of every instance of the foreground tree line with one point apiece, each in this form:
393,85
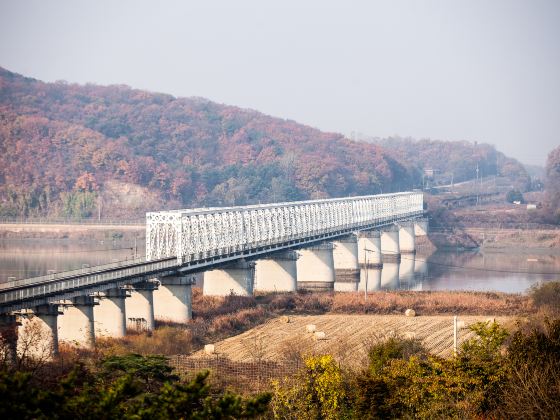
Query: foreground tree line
496,374
493,375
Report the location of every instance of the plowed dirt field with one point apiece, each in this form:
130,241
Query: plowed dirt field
347,336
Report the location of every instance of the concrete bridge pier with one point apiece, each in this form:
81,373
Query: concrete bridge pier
140,306
237,278
277,272
346,268
173,299
407,238
421,227
76,324
390,275
110,314
38,333
369,249
390,246
315,267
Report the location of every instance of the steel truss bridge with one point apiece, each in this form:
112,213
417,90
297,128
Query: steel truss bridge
186,241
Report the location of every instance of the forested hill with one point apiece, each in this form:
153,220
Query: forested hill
73,150
457,159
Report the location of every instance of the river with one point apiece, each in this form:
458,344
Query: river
477,271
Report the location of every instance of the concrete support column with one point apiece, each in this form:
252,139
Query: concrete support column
370,259
345,259
315,267
421,227
369,249
76,324
406,272
237,279
140,306
370,278
173,299
110,314
407,239
390,247
277,272
8,338
390,275
38,333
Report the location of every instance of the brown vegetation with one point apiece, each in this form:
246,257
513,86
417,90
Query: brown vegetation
216,318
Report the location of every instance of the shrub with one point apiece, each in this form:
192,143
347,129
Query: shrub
514,195
392,348
547,295
318,392
533,385
370,396
403,381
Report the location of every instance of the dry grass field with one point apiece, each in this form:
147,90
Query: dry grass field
348,337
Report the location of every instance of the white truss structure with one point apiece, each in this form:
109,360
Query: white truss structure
195,234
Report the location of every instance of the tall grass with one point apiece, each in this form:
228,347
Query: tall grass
215,318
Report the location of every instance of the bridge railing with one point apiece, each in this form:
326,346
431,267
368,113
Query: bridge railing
202,233
68,281
71,273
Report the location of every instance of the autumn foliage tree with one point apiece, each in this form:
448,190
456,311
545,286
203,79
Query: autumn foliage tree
552,185
59,139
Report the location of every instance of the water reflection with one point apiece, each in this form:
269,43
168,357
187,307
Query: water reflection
507,272
390,275
370,277
30,258
504,272
406,272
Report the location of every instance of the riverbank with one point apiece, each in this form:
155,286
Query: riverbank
544,241
72,231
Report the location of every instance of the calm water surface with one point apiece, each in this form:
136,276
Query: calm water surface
37,257
505,272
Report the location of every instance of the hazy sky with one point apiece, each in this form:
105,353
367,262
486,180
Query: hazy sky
473,70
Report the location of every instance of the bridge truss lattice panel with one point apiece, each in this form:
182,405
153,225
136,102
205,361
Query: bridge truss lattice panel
202,233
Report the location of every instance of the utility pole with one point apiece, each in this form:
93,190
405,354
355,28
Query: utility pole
455,335
135,246
477,185
365,288
367,273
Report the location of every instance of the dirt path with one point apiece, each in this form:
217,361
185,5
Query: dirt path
347,336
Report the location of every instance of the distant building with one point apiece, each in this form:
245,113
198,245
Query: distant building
429,172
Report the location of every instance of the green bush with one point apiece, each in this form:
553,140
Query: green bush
318,392
392,348
126,387
514,195
403,381
78,204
